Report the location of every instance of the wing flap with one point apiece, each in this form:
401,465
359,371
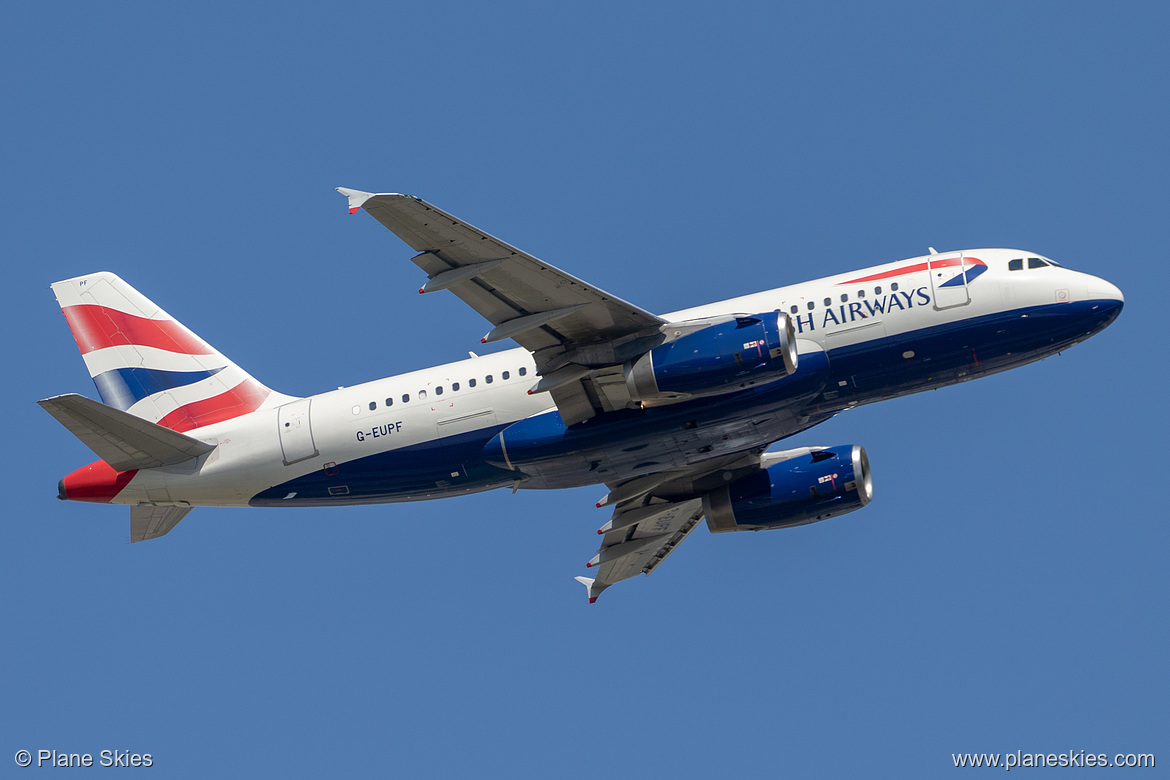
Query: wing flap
639,548
119,438
654,513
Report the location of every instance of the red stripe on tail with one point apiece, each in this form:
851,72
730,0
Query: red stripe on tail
243,398
98,327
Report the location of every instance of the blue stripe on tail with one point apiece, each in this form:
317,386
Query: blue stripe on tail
123,387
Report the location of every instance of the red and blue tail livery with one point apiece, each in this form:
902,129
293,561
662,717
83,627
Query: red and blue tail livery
145,362
679,415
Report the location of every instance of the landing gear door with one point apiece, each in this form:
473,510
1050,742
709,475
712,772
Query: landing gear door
296,433
948,281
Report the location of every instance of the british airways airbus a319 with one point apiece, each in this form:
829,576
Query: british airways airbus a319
674,413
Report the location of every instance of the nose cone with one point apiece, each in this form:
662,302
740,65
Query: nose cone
1101,290
1106,301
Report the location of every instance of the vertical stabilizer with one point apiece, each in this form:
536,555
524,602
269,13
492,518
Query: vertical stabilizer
145,362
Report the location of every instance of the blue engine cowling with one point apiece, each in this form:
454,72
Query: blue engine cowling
720,358
824,483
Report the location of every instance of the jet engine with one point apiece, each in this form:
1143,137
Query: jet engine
819,484
710,359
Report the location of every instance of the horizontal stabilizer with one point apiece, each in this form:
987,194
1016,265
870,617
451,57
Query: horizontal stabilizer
148,521
121,439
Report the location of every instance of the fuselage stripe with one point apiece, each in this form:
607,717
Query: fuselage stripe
949,262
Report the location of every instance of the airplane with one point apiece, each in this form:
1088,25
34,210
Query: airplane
673,413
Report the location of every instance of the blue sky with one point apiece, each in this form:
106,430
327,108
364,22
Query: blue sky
1006,590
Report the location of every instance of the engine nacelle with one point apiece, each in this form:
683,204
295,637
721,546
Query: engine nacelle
719,358
823,483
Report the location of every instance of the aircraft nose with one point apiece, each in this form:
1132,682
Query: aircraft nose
1101,290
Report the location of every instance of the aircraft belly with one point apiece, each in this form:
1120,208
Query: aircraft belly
958,351
432,469
632,442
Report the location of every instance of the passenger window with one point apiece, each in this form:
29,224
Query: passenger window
454,387
389,401
894,287
1016,265
795,309
504,375
1036,262
438,390
523,370
406,398
471,383
861,293
422,394
844,297
373,405
828,301
488,379
357,409
877,291
811,305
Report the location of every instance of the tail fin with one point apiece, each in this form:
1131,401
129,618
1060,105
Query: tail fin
146,363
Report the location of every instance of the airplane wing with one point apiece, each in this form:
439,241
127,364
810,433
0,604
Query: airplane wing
578,334
653,514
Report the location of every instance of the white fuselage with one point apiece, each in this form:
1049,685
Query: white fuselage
451,402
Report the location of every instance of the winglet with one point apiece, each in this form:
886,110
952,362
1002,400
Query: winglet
591,589
356,198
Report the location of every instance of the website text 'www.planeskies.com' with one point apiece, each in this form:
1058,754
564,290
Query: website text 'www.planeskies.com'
1020,759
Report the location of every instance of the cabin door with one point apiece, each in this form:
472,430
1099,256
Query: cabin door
948,281
296,434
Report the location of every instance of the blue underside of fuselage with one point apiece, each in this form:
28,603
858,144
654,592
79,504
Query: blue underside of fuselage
857,374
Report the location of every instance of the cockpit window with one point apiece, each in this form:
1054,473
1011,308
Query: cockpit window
1016,265
1036,262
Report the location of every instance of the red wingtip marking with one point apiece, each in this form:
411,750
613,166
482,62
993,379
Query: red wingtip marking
599,531
593,599
589,565
483,340
354,209
598,505
420,291
530,392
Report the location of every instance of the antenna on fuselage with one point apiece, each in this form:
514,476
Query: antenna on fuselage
933,251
